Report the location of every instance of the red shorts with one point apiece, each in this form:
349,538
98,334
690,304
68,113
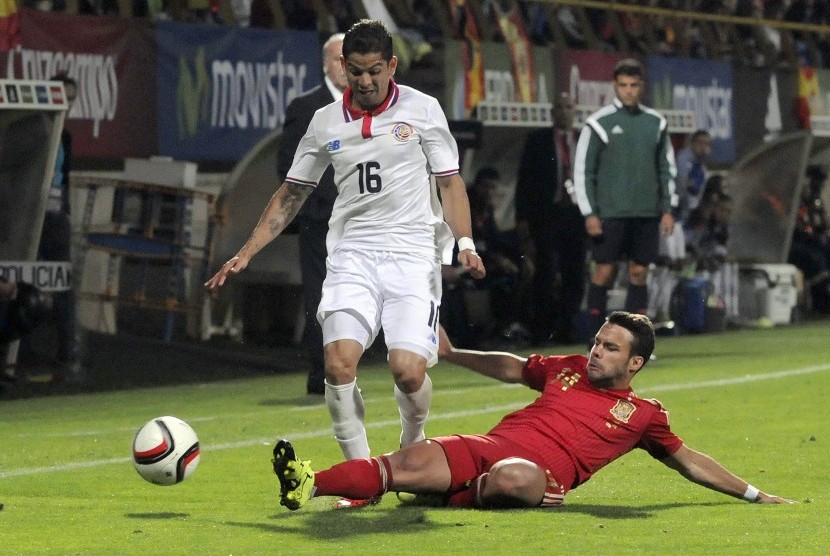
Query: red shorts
471,455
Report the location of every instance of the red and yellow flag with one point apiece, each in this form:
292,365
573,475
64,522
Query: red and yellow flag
9,25
515,35
472,59
808,102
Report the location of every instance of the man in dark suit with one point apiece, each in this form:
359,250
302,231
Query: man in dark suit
549,226
313,219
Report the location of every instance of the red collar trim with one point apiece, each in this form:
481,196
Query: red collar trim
351,114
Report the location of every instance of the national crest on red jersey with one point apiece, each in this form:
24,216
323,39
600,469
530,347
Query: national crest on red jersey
623,410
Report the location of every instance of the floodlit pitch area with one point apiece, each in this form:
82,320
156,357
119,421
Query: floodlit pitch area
754,399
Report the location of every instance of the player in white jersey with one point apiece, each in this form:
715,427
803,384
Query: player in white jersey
388,232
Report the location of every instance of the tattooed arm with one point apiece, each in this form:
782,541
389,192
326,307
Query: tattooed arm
281,209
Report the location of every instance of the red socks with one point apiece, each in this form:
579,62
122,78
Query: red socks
359,479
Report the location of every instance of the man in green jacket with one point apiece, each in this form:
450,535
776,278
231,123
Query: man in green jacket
624,174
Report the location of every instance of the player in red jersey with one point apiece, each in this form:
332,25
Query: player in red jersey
586,417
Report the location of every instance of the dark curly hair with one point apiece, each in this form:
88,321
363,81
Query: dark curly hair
368,36
641,329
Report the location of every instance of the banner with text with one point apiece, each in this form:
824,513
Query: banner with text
702,87
499,80
47,276
112,61
587,76
221,89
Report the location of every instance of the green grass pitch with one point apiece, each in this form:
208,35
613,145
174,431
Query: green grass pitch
756,400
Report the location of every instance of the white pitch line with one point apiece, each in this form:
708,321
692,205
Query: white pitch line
435,417
206,418
738,379
131,429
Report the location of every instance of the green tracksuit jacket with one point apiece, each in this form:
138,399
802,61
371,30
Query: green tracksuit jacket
624,164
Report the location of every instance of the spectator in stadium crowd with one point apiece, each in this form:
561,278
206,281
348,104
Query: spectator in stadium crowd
387,234
695,223
672,258
550,227
586,417
340,14
262,15
56,245
810,248
692,172
507,279
706,238
300,14
8,293
99,7
708,244
22,307
624,182
313,218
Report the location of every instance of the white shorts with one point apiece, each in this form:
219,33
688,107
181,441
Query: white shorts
396,291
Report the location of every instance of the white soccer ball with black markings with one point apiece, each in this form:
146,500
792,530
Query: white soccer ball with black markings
165,450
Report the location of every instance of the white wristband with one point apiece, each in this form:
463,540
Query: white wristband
751,493
466,243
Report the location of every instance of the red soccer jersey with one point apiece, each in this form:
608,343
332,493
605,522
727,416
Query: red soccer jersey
576,429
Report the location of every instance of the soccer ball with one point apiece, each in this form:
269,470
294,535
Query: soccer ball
165,450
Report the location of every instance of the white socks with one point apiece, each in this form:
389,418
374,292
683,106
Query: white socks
345,405
414,409
346,409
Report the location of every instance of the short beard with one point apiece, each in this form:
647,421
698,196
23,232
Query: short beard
602,383
369,108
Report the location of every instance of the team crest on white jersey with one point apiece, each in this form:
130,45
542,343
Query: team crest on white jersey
402,132
623,410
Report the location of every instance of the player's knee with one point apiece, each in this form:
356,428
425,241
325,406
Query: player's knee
408,369
341,366
409,459
409,382
515,482
419,467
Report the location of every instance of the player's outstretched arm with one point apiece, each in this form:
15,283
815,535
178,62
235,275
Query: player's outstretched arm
705,471
281,209
456,207
500,365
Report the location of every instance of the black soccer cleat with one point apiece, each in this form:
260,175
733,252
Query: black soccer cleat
283,453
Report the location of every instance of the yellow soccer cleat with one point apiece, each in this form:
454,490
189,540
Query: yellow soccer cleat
296,477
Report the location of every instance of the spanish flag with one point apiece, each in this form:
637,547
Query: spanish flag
515,35
9,25
472,58
808,103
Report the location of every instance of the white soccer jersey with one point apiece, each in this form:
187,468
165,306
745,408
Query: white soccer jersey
382,162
